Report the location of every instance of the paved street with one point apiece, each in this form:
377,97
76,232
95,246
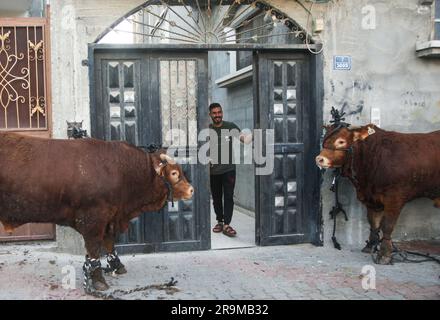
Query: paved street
280,272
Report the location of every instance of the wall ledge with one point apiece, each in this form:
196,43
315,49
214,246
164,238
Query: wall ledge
235,78
428,49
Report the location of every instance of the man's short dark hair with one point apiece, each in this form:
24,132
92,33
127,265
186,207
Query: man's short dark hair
214,105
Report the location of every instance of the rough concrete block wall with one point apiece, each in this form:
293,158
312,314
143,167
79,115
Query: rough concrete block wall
380,37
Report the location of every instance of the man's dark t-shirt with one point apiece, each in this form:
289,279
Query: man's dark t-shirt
224,141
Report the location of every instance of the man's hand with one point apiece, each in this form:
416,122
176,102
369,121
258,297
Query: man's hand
246,136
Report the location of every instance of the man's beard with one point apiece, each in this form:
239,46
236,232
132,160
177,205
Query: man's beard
217,120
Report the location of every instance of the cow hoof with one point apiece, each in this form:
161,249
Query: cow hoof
98,280
115,265
367,249
117,272
382,260
121,270
100,286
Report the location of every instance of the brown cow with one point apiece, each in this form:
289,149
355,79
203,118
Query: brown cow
93,186
388,169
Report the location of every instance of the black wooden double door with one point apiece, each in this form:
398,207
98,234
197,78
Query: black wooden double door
142,98
139,97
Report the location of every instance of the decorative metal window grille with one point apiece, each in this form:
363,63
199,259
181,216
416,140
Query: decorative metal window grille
23,81
178,102
204,22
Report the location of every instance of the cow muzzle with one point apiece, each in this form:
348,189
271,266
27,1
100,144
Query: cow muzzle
183,191
190,192
322,162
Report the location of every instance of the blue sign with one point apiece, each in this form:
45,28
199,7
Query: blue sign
342,63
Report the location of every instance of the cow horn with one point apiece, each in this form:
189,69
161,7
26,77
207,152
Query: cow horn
167,158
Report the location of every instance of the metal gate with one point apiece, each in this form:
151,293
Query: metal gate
25,93
287,200
139,97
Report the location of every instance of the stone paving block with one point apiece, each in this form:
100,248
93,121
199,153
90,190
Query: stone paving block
395,297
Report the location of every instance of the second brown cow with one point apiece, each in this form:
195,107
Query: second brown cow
388,169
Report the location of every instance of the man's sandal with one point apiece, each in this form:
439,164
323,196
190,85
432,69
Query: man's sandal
218,228
229,231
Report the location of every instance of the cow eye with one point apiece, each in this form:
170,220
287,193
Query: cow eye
174,173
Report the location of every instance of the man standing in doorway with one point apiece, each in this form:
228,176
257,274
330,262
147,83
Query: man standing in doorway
222,172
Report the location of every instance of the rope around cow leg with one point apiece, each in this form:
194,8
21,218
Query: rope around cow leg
373,241
90,266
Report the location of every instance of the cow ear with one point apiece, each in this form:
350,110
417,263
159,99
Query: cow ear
167,158
362,133
158,166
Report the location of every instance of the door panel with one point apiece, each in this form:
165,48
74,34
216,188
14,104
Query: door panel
178,85
142,96
283,106
120,99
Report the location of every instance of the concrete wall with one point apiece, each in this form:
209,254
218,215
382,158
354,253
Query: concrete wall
385,74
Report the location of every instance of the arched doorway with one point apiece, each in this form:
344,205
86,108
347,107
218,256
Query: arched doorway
158,80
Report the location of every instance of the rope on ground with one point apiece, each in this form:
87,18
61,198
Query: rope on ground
168,287
399,255
403,254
